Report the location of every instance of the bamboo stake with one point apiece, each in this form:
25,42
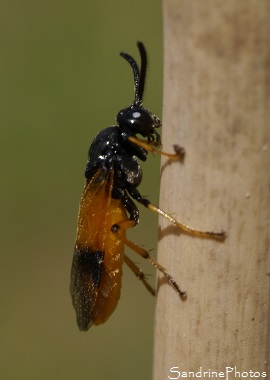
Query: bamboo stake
216,105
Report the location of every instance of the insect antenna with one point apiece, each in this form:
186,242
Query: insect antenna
136,73
142,71
139,75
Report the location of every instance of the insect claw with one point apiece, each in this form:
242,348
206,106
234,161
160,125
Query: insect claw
180,151
183,294
220,236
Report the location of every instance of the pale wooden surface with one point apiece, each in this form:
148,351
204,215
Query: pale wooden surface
217,105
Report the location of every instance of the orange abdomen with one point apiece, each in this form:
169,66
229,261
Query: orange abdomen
111,275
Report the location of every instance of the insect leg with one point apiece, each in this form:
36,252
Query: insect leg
202,234
119,228
179,151
123,225
130,206
139,274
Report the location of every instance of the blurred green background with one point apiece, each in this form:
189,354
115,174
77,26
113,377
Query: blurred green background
62,80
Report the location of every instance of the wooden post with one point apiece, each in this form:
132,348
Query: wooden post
216,105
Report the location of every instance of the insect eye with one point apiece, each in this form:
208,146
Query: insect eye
137,120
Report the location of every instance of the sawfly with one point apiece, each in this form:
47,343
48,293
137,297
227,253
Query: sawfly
107,207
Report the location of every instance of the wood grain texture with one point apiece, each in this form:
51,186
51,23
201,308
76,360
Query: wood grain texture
216,105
